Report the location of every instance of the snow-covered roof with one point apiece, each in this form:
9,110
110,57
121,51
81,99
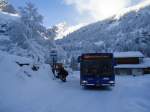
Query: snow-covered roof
128,54
99,43
131,66
8,16
146,61
145,64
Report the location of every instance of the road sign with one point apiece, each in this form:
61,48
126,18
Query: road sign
53,55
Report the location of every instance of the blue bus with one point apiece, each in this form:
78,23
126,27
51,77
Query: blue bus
97,69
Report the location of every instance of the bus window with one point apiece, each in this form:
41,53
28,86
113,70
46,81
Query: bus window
96,68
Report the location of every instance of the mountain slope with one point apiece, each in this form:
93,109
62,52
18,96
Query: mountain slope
126,31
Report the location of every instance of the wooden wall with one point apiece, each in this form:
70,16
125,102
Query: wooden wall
127,60
147,70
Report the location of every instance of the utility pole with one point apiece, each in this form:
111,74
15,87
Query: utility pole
53,55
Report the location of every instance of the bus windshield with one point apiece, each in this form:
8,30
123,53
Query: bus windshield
97,68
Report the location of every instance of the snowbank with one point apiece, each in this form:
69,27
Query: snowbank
20,87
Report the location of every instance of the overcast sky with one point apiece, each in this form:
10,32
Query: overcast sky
75,12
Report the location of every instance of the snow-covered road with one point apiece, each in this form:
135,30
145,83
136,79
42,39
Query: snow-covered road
40,93
131,94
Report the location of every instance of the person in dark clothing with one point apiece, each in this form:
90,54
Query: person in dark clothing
62,73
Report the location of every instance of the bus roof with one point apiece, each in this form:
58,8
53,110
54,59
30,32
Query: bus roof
97,54
91,56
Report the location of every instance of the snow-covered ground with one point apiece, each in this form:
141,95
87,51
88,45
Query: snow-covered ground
40,93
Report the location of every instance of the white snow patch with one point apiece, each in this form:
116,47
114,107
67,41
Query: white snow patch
7,16
142,65
99,43
64,29
135,8
115,24
146,61
128,54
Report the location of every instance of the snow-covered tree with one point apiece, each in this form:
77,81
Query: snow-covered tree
74,63
3,4
17,34
51,33
34,31
31,18
7,7
10,9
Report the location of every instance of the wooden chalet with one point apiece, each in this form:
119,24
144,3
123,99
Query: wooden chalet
133,57
129,63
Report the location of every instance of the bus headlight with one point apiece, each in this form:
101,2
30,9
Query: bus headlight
111,82
84,82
